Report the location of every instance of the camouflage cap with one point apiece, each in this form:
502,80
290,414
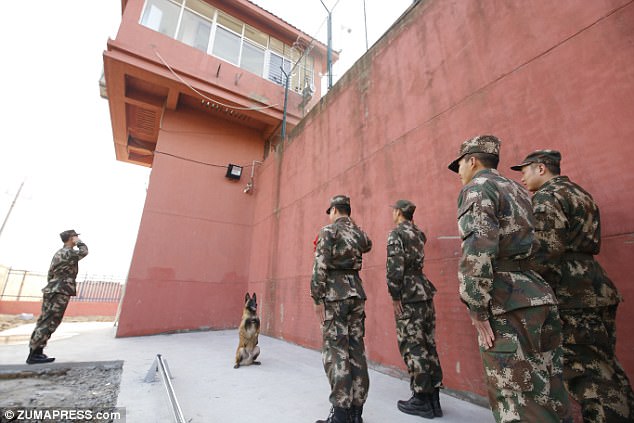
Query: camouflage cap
540,156
481,144
405,206
338,200
66,235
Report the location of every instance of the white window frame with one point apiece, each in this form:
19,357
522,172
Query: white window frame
212,39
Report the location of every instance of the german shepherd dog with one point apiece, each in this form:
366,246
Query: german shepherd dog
248,349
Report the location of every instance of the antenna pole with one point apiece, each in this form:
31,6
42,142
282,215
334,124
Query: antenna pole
365,21
11,208
329,56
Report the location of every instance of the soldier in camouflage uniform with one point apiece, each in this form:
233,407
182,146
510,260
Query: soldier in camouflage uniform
513,309
568,229
57,293
337,291
412,297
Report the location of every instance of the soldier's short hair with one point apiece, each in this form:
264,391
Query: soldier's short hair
489,161
343,209
409,215
553,168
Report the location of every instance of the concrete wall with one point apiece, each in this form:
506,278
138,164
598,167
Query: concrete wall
541,74
190,265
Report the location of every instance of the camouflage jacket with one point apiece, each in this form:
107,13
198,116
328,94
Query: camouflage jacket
496,223
338,261
404,268
568,228
63,270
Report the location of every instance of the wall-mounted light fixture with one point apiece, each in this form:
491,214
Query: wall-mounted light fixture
234,172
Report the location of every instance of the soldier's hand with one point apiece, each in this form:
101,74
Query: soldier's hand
320,312
485,332
398,308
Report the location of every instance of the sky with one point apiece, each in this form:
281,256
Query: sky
56,136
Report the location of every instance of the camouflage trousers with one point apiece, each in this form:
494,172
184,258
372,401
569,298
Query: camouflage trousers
415,331
592,374
343,352
524,367
53,308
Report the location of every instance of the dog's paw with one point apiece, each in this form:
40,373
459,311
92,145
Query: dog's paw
257,363
236,366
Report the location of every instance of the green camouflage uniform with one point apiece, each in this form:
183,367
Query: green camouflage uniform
61,286
523,369
415,327
569,232
336,284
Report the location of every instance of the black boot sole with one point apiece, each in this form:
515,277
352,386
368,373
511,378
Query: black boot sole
39,361
425,414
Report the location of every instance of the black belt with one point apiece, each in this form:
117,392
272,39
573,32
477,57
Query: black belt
578,256
344,272
508,265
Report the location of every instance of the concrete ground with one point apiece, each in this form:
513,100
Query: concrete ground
289,386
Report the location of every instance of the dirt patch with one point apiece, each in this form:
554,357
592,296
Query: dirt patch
8,321
82,386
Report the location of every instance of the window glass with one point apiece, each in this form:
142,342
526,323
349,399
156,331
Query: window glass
161,16
252,58
291,52
276,45
230,22
227,45
256,36
232,37
275,73
194,31
201,7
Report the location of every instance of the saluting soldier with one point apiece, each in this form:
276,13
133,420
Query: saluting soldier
513,309
568,228
337,291
61,286
412,298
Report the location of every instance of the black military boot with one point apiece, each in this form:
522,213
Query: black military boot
435,402
355,414
337,415
417,405
37,356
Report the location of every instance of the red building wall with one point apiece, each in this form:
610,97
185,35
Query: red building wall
540,75
74,308
190,265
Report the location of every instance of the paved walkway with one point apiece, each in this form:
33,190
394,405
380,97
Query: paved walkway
289,386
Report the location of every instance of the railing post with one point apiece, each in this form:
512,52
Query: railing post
21,286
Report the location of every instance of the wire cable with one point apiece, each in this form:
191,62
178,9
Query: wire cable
197,161
203,95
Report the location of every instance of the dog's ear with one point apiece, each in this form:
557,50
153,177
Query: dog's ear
246,297
254,298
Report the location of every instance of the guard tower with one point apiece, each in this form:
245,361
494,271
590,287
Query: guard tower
197,91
